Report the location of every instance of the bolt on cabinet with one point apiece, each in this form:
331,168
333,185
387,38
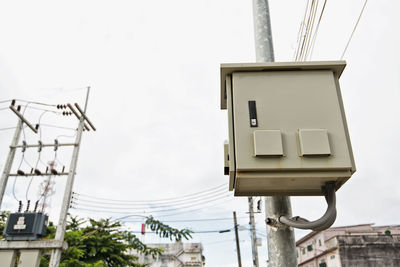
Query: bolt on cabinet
287,128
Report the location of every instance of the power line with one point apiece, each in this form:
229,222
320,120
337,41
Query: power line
48,110
212,231
219,241
66,136
197,209
205,208
149,210
301,32
157,204
194,232
303,43
7,128
156,200
35,108
35,103
316,29
39,153
15,179
308,32
354,29
313,15
152,210
57,126
196,220
176,206
29,102
23,129
151,206
217,188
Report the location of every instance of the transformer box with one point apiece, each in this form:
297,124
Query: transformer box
26,226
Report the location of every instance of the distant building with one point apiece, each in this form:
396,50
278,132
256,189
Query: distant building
361,245
176,254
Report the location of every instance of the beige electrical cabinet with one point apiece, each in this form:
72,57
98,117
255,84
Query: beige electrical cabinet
287,128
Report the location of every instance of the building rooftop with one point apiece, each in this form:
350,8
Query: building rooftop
361,228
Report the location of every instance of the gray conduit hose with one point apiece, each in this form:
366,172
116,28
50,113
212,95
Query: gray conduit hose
324,222
322,227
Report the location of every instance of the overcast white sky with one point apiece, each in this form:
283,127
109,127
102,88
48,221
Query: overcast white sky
154,71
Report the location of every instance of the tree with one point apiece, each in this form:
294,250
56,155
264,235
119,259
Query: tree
101,243
3,220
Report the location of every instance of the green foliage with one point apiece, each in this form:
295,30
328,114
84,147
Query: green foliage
102,243
96,243
3,220
166,231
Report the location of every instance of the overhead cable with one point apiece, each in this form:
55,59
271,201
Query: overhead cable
127,215
316,29
307,33
48,110
307,26
194,232
149,209
219,241
193,220
310,33
156,200
354,29
15,179
36,103
301,32
57,126
39,153
195,198
203,209
7,128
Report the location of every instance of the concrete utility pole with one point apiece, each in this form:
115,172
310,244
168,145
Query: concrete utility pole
237,239
10,159
253,233
281,242
62,221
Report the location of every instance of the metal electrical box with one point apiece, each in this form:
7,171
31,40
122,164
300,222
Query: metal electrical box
26,226
287,128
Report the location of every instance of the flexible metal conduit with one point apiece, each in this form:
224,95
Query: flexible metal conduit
325,221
